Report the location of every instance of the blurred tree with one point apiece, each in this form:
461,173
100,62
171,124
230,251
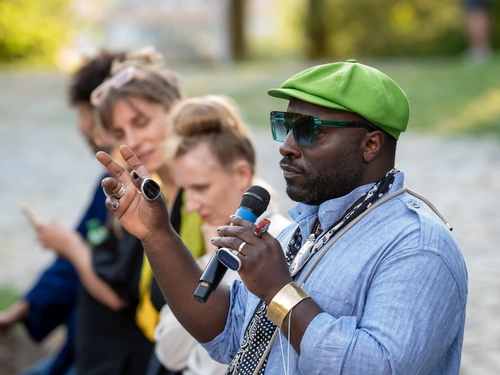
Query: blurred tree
33,30
345,28
495,15
237,29
316,29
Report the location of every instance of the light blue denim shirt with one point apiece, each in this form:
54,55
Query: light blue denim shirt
393,290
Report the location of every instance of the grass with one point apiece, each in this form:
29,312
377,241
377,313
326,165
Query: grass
447,95
7,297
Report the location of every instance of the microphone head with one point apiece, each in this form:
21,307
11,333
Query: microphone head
256,199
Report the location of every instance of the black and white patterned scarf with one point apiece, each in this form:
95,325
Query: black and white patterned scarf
260,329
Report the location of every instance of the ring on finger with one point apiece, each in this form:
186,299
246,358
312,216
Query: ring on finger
262,227
150,189
229,258
120,193
241,246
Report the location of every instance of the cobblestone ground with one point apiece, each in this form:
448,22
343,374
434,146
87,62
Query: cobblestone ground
47,165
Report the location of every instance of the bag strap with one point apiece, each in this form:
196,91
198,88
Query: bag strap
431,206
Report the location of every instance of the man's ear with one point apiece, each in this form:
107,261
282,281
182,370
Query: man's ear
372,145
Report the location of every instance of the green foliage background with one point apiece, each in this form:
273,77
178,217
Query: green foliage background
388,27
33,30
379,28
447,93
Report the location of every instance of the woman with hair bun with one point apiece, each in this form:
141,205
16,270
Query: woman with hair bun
212,157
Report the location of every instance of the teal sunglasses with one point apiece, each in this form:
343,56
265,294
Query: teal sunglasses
304,126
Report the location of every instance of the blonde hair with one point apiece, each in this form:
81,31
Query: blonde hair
214,120
154,84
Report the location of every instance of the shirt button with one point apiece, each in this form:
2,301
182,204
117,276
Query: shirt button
416,205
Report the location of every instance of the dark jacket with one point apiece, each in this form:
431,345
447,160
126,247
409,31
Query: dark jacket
53,298
110,342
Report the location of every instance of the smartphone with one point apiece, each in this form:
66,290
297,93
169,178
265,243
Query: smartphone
29,214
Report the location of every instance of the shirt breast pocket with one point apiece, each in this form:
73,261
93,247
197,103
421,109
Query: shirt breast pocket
331,304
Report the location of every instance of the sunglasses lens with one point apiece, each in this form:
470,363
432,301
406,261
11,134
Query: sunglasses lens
278,127
301,125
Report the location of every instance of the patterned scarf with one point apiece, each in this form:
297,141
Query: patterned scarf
260,329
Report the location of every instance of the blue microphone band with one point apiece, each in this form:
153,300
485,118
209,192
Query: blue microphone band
246,214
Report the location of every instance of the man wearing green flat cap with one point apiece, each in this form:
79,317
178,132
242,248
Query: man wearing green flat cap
368,280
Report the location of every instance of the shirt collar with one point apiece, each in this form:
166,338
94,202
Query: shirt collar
332,210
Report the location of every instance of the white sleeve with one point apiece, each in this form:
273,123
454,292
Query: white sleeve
173,343
200,363
177,350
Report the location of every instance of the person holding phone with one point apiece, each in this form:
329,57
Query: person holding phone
52,300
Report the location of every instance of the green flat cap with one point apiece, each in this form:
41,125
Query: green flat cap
353,87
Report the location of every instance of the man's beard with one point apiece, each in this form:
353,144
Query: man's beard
322,185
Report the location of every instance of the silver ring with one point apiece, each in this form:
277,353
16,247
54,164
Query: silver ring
241,246
120,192
150,189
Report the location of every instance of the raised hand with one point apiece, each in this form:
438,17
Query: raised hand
138,216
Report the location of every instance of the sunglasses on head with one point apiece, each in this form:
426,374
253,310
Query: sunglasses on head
304,126
119,79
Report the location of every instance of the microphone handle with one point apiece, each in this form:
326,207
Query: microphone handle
214,272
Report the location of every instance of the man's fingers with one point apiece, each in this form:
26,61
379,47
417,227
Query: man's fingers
228,242
138,174
136,179
112,204
239,221
112,166
129,156
133,161
233,235
111,185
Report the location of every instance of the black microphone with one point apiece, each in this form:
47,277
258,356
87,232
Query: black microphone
253,204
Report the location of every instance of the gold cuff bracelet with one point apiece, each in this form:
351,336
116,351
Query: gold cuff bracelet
285,300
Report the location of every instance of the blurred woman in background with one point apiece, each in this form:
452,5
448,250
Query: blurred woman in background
132,106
